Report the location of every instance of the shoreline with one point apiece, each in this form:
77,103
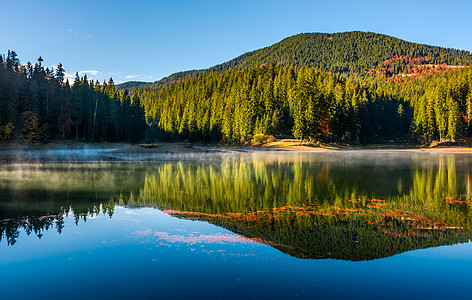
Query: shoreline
201,148
179,148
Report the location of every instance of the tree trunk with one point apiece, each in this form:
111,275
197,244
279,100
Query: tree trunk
94,117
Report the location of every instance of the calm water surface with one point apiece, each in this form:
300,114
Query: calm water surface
83,224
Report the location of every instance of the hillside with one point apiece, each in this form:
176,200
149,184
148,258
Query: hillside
131,84
347,52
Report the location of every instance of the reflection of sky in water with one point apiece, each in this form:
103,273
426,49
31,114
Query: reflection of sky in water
145,254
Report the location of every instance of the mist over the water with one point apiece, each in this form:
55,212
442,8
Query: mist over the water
95,153
53,153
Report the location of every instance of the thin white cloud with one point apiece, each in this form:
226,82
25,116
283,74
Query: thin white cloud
70,77
73,31
89,72
132,76
217,238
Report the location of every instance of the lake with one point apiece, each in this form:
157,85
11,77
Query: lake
80,223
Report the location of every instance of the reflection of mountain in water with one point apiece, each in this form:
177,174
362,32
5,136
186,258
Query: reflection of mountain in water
340,234
349,208
324,206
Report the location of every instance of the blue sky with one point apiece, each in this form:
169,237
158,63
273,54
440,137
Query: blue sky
147,40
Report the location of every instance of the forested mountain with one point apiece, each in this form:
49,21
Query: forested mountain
239,104
346,52
36,104
351,88
130,85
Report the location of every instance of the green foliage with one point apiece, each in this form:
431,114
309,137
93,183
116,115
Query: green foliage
31,127
261,138
5,131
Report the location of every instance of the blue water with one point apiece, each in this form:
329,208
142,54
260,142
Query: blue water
146,254
143,252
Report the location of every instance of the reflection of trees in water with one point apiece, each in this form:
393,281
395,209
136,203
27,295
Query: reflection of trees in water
330,208
37,224
347,237
432,186
334,208
443,192
10,228
35,198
